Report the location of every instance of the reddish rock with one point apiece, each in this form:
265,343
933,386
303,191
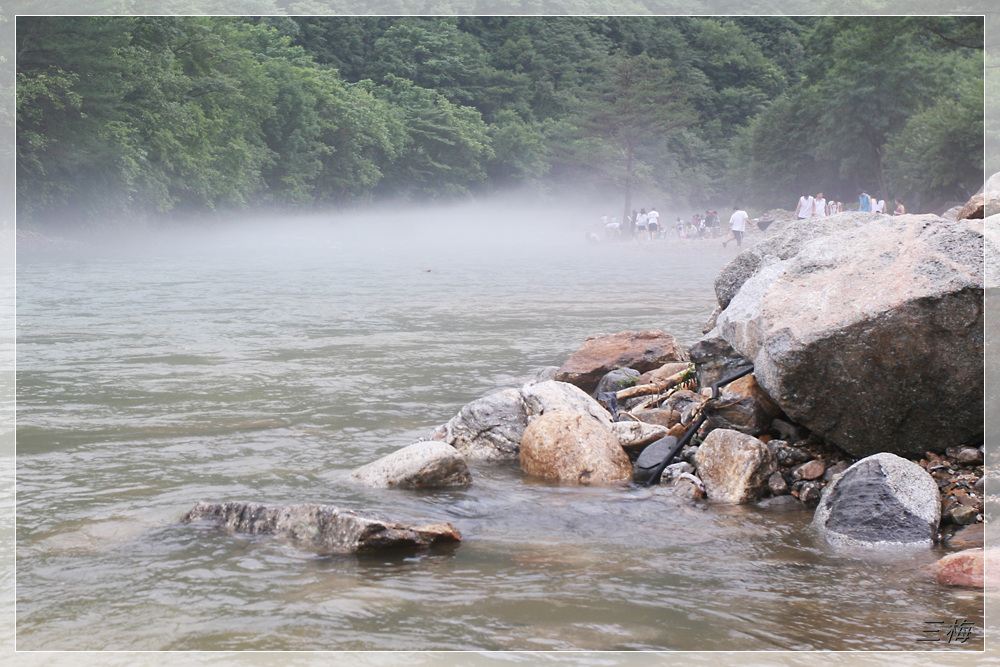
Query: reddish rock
747,386
967,537
974,568
811,470
663,372
974,209
571,447
599,355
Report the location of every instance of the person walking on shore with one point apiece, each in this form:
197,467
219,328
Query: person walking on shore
805,208
819,206
737,225
653,223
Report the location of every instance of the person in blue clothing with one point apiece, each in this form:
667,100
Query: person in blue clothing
865,201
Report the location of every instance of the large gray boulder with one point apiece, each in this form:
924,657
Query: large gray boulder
323,528
872,337
882,501
782,240
734,466
489,428
571,447
423,465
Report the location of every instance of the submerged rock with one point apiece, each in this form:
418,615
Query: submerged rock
424,464
599,355
570,447
324,528
973,568
872,337
489,428
883,501
735,467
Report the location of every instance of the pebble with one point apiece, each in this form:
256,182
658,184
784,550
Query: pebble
810,470
969,455
967,537
980,486
810,493
776,482
835,470
963,515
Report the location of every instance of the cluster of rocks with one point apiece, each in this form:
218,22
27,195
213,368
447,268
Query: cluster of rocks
865,336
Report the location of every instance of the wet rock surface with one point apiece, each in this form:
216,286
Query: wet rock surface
599,355
972,568
554,395
635,436
323,528
422,465
571,447
882,501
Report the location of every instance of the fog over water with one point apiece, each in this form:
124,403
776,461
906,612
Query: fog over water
263,360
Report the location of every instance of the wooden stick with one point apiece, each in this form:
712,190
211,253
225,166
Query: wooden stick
655,387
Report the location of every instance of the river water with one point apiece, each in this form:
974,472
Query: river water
265,366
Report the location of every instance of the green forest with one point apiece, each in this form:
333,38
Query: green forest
138,119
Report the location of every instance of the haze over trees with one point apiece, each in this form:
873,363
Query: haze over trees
140,118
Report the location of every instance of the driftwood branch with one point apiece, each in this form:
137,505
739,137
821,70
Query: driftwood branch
655,387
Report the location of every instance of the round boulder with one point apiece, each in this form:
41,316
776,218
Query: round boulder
883,501
424,464
735,467
571,447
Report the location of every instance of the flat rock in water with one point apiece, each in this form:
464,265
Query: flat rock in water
553,395
872,338
571,447
489,428
734,466
324,528
883,501
973,568
599,355
967,537
422,465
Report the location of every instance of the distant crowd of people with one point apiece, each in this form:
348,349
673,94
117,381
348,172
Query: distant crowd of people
816,206
643,225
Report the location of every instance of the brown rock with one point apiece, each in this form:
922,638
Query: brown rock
776,482
570,447
974,208
734,467
810,470
975,568
747,386
677,430
599,355
967,537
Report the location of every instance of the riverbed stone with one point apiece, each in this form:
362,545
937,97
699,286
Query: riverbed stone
777,484
489,428
872,338
658,416
809,470
967,537
748,386
715,359
882,501
554,395
734,466
635,436
426,464
786,454
324,528
972,568
599,355
974,208
663,372
572,447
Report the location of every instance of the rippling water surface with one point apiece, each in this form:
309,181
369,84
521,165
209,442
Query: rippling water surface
266,367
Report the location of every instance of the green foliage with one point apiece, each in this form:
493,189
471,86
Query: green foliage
135,118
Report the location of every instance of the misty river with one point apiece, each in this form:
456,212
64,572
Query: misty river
266,363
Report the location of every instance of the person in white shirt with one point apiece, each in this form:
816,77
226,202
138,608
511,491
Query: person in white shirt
640,224
653,223
805,208
819,206
878,204
737,225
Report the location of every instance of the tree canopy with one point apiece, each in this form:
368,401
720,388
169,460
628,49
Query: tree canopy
140,118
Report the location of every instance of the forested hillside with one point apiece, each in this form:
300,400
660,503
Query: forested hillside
141,118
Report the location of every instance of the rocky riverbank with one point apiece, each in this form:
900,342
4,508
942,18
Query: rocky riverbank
841,372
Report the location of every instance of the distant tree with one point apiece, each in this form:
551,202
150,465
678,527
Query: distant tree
627,114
